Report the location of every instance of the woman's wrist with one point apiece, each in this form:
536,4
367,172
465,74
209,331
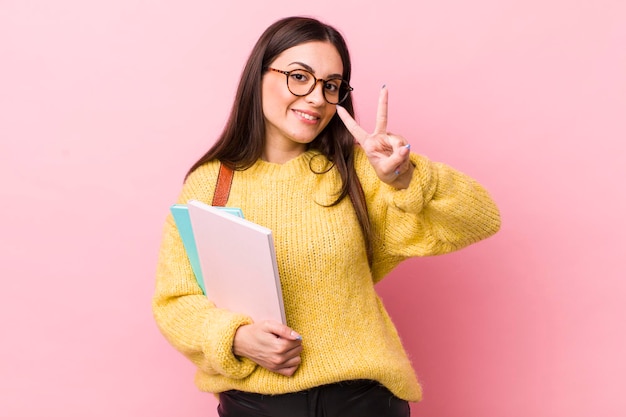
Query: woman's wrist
238,341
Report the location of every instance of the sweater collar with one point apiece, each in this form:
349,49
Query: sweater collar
290,169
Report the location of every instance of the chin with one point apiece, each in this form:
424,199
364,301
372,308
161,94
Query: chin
304,139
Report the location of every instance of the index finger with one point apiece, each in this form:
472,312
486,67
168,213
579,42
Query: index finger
381,113
353,127
280,330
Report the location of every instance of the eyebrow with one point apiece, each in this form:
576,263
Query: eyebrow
311,70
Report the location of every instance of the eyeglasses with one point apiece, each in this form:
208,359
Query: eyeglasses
301,83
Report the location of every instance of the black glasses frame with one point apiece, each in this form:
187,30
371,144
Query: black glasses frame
288,73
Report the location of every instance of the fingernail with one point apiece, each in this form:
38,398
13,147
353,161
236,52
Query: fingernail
384,85
296,335
408,146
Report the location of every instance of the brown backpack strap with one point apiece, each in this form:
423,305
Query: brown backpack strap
222,187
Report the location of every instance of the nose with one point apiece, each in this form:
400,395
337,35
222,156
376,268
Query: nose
317,95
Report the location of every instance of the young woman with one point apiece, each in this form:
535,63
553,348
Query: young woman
343,215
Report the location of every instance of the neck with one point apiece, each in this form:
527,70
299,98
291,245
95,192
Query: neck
280,156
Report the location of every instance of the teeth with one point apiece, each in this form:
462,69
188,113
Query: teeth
306,116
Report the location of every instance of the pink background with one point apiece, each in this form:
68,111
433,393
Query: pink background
104,106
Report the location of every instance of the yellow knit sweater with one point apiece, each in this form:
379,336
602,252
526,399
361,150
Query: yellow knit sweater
327,285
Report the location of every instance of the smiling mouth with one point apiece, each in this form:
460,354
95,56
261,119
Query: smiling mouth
306,116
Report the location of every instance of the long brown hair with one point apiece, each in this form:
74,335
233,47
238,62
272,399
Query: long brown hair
241,143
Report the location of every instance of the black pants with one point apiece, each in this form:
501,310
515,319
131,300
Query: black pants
361,398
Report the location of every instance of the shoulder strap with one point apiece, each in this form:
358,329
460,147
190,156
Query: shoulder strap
222,187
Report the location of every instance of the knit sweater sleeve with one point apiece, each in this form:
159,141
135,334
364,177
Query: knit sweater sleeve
188,320
441,211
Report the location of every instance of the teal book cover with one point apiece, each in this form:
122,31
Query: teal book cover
183,223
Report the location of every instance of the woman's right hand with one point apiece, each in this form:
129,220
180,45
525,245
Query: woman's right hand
270,344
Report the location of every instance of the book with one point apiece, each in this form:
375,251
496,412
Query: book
238,263
183,223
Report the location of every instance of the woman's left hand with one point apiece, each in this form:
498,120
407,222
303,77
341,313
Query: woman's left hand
388,153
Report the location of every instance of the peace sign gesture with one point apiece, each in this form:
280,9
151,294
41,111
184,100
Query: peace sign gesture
388,153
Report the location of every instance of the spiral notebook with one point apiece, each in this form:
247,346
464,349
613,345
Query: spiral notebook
238,263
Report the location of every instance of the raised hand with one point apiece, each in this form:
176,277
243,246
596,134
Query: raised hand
388,153
272,345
